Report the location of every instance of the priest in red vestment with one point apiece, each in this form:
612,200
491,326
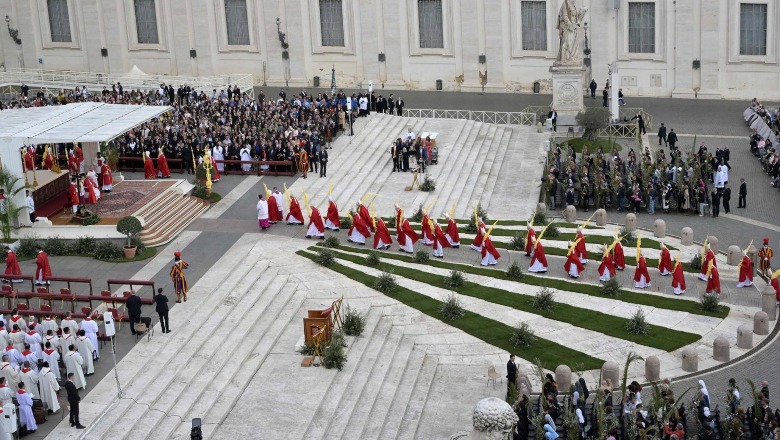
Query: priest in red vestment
73,195
12,265
382,238
745,272
29,158
107,178
439,240
606,268
295,216
678,278
707,256
405,235
573,265
665,263
359,230
529,240
641,275
538,258
427,229
618,257
48,161
713,279
316,228
582,251
476,244
363,211
149,172
162,165
332,220
89,192
453,237
42,268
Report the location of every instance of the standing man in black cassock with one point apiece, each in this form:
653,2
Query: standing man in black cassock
73,402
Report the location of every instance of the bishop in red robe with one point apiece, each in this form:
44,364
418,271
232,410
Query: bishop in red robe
618,258
295,216
439,240
42,268
606,268
538,258
641,275
316,228
149,172
359,230
453,237
713,280
745,272
12,264
709,256
382,238
162,165
573,265
665,263
332,220
477,243
405,235
427,230
678,279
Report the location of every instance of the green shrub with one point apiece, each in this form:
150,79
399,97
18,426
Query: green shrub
637,324
139,244
346,223
331,242
334,355
385,282
454,280
84,246
518,242
514,272
427,184
512,394
611,287
695,263
55,246
552,231
372,259
325,257
418,215
451,308
354,322
471,228
28,247
540,218
201,191
544,300
629,237
421,256
522,336
129,226
307,350
710,303
91,219
106,250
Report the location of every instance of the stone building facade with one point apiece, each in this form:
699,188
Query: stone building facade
682,48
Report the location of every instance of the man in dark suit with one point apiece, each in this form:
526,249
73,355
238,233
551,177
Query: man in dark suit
726,198
742,202
161,307
554,118
133,310
671,138
73,402
511,370
399,106
324,163
391,104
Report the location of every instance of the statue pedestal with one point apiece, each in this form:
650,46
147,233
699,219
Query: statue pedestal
567,89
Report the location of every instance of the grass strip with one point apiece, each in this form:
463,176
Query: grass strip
659,337
491,331
679,305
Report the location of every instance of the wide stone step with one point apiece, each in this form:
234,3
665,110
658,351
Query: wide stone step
418,363
495,169
370,426
175,222
418,399
369,344
477,191
359,397
219,396
213,359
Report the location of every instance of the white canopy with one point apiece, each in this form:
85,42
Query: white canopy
79,122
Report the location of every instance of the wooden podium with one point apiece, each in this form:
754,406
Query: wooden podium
315,321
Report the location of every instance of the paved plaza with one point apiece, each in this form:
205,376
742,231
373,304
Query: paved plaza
420,359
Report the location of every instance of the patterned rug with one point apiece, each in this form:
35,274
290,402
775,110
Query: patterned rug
129,196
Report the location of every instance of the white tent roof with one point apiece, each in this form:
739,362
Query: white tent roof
136,71
80,122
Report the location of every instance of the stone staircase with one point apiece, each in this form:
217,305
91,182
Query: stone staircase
169,213
473,158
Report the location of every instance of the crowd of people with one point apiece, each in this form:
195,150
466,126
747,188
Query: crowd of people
763,147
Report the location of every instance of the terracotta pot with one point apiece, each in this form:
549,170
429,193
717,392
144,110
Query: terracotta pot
129,252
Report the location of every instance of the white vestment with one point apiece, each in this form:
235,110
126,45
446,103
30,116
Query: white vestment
14,357
26,417
35,341
262,209
30,379
85,348
6,394
52,358
279,201
91,329
73,363
11,375
48,389
218,153
245,156
4,338
71,324
18,320
17,340
48,324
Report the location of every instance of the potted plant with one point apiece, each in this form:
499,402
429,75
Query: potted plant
9,212
130,227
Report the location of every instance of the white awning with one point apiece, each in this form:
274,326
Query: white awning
78,122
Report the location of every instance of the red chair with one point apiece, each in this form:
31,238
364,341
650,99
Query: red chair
87,311
46,308
107,297
127,293
118,317
7,289
22,306
42,289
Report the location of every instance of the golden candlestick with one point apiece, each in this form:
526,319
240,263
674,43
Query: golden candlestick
24,169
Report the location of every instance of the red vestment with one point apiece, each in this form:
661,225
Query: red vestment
745,270
665,263
678,278
405,232
618,259
74,194
359,224
105,173
29,160
162,165
477,243
776,284
316,220
42,268
47,161
89,189
382,233
295,211
12,264
73,165
273,210
215,174
709,256
488,248
529,244
641,270
452,232
333,215
427,233
149,172
80,156
573,260
440,238
539,255
363,211
607,265
713,281
580,249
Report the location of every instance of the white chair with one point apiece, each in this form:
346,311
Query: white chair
493,375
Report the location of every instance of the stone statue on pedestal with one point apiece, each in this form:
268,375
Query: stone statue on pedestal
569,24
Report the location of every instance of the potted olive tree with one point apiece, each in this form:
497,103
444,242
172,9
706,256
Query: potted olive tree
130,227
9,212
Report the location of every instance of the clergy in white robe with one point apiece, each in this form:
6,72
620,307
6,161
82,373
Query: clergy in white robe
48,388
29,356
6,393
16,338
34,340
218,153
73,362
66,339
69,323
53,340
14,357
10,373
90,328
48,324
51,357
3,337
85,348
246,157
30,379
18,320
26,417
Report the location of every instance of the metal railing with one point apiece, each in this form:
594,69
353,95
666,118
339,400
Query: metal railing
615,130
56,80
511,118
